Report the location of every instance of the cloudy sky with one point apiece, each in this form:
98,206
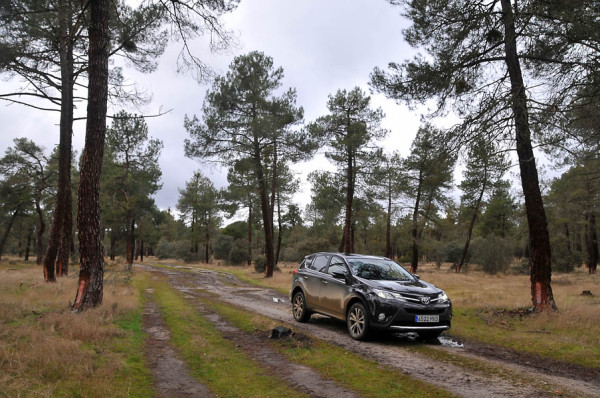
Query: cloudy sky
322,45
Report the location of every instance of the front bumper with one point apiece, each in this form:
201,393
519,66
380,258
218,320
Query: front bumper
402,316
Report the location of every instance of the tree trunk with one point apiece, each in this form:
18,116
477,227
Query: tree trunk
388,224
463,255
414,264
266,215
347,237
11,220
207,244
249,261
193,232
280,228
113,239
28,248
40,242
465,249
568,238
91,274
130,241
592,243
539,238
59,242
141,250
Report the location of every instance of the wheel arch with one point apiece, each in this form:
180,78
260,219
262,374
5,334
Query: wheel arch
355,298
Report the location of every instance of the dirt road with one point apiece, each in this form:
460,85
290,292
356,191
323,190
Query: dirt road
474,370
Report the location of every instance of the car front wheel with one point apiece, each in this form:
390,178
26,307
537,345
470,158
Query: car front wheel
299,307
358,324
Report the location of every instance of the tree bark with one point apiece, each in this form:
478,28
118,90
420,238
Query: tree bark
414,265
347,237
91,274
59,242
28,249
266,214
130,244
207,243
111,251
249,261
592,243
280,229
39,238
11,220
539,238
388,224
463,255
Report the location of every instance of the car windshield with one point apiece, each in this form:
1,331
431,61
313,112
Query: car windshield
378,269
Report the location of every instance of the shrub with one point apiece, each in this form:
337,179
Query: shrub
178,249
260,264
313,245
453,251
291,255
493,253
222,247
238,254
563,259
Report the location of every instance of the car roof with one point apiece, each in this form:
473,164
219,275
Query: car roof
347,255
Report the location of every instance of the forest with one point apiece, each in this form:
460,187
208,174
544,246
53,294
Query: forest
522,80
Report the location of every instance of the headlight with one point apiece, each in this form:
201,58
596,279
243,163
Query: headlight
443,297
384,294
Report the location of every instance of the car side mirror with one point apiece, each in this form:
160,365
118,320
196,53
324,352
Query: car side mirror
339,274
416,276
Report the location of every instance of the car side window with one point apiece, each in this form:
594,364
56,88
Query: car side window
319,263
336,265
305,263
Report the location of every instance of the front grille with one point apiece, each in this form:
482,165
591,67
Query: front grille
414,298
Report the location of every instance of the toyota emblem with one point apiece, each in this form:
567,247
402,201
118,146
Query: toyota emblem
425,300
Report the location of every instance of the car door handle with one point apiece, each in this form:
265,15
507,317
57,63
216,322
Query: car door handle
324,282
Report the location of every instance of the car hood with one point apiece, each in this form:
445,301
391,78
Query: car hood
417,286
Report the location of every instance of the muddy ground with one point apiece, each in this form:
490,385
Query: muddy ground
499,373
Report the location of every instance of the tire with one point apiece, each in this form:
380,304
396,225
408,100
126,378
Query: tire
358,322
299,310
429,335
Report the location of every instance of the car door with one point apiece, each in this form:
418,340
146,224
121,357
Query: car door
334,290
312,280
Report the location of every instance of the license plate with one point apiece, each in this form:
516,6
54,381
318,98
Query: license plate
427,318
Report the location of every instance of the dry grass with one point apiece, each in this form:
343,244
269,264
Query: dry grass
45,349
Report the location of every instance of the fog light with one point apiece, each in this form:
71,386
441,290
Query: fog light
381,317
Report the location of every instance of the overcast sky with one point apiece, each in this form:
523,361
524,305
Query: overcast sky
322,45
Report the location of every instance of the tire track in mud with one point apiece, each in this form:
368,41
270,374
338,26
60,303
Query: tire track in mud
298,376
171,375
510,380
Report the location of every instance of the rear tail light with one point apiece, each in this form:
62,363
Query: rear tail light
294,272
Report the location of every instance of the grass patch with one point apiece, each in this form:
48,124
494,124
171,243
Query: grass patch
212,360
534,333
348,369
47,351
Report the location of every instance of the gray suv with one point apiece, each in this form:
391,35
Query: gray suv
368,292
